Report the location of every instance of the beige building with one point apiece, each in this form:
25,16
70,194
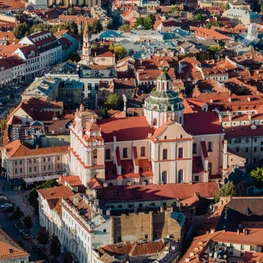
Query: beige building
22,161
163,146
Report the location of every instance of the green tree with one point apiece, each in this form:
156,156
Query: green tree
95,27
55,248
257,176
211,24
18,213
104,113
20,30
39,27
72,27
112,102
227,189
68,258
139,22
213,49
174,9
70,11
261,9
198,17
149,21
124,27
74,57
120,52
28,222
43,236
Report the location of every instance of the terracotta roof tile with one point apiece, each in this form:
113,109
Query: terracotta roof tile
55,192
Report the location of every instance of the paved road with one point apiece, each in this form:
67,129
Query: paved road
7,224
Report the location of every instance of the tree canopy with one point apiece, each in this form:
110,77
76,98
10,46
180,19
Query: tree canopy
124,27
43,236
95,27
28,222
55,248
257,176
21,30
147,22
112,102
227,189
68,258
119,51
198,17
174,9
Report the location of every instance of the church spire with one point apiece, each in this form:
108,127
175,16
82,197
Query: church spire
86,48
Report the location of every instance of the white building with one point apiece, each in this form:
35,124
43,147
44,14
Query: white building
48,47
11,70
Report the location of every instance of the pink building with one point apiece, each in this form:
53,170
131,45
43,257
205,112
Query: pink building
163,146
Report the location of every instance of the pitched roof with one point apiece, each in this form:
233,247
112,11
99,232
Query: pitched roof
55,192
157,192
125,129
18,149
202,123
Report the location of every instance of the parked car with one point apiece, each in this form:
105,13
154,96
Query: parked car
26,235
6,205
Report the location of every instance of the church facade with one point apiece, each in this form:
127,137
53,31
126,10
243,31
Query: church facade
163,146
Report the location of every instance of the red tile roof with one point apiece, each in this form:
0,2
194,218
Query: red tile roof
125,129
56,192
202,123
157,192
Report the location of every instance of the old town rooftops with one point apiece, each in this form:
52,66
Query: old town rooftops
157,192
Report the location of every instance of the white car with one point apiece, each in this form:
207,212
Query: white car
6,205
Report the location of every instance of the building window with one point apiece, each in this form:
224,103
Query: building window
15,171
58,158
20,162
164,177
125,153
210,146
21,170
255,139
95,152
108,154
104,231
237,150
196,178
254,160
255,149
146,236
165,154
194,148
180,176
15,162
44,159
154,122
247,149
181,152
242,247
143,151
210,167
253,248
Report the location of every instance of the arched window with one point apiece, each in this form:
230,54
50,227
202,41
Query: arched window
165,154
169,108
108,154
180,176
146,182
154,122
181,152
210,168
110,185
125,153
164,177
143,151
95,153
210,146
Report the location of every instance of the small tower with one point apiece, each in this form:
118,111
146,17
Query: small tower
86,49
163,103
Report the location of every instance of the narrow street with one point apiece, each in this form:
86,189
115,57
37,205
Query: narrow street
8,225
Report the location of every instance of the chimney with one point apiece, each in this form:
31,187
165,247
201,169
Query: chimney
108,212
238,231
212,231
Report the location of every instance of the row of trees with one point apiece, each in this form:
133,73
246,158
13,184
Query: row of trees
55,246
24,29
